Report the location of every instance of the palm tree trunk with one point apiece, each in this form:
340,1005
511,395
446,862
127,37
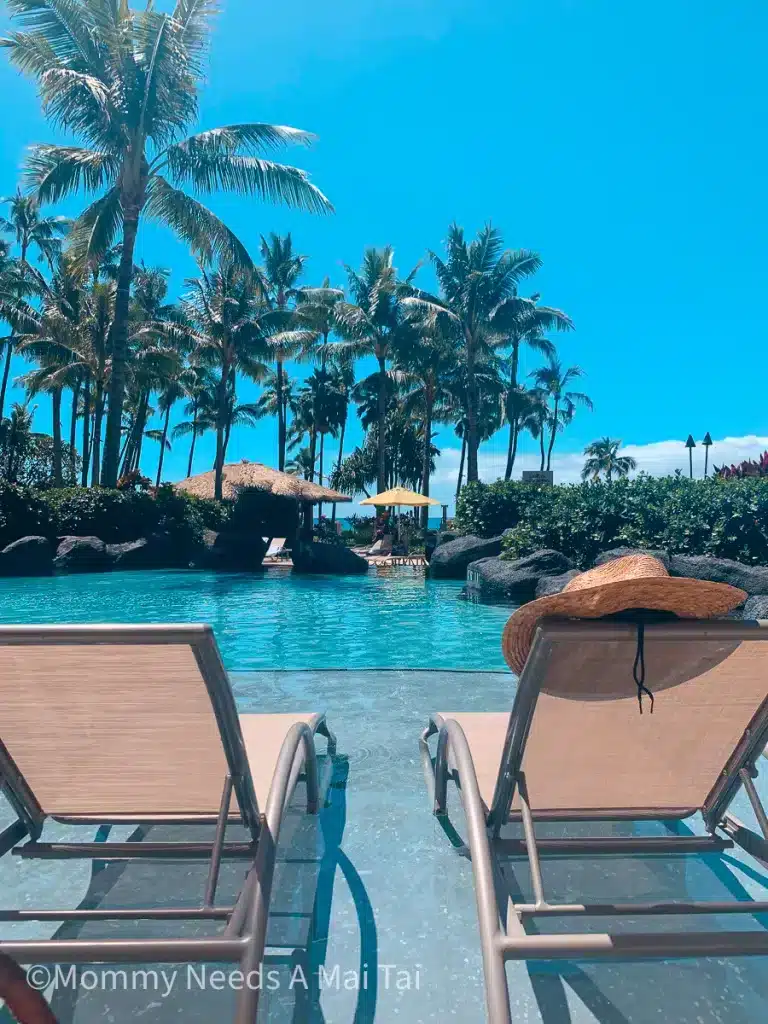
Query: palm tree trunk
320,474
513,420
280,417
119,346
461,465
73,427
194,437
473,442
425,468
98,412
554,433
541,444
163,440
338,464
86,427
381,473
58,477
312,452
9,351
514,450
6,371
220,424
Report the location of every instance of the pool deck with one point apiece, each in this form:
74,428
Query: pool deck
373,886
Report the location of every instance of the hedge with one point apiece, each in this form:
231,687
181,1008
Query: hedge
728,519
114,516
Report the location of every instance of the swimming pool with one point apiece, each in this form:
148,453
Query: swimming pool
374,872
275,620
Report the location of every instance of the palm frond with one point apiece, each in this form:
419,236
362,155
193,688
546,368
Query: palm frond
54,172
94,230
195,224
213,168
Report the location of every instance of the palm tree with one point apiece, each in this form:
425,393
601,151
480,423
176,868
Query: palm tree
603,457
475,280
229,329
15,434
490,391
517,322
200,408
127,83
282,269
29,228
371,326
53,326
553,381
302,464
422,371
344,382
527,410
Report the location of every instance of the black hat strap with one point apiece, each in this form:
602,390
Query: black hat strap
638,669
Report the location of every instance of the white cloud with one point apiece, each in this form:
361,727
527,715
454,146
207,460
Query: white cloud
659,458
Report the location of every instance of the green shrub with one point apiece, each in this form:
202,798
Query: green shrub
23,512
114,516
728,519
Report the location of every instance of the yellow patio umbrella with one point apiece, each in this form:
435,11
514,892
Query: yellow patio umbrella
398,496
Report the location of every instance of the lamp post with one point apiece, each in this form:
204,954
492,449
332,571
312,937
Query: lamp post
707,443
690,444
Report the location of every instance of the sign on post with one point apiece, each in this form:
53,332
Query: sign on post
542,477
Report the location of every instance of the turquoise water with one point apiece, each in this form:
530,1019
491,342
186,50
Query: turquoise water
276,620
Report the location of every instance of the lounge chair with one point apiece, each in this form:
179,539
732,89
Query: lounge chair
383,546
108,724
576,749
277,548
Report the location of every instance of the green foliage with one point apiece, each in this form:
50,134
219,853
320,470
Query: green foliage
699,517
114,516
23,513
486,510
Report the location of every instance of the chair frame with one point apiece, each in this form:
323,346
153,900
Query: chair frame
243,938
502,921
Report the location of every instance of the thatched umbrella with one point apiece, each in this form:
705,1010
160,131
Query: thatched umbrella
241,475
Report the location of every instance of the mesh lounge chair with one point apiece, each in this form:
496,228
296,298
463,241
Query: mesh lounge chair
575,749
107,724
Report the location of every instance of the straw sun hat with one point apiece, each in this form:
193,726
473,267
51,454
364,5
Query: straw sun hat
636,581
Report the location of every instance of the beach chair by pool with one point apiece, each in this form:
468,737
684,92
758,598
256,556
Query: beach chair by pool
122,724
276,548
383,546
575,749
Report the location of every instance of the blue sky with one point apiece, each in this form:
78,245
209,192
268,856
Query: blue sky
624,142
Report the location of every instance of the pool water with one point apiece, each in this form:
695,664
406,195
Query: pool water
275,620
373,881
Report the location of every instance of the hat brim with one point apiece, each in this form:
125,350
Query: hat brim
685,597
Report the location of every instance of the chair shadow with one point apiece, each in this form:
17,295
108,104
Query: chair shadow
312,881
550,979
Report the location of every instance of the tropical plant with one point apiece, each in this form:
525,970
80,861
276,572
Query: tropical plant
423,373
476,280
225,324
29,228
127,82
281,270
201,388
552,381
746,468
373,325
302,464
603,458
519,322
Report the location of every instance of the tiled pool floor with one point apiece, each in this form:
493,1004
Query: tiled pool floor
373,884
